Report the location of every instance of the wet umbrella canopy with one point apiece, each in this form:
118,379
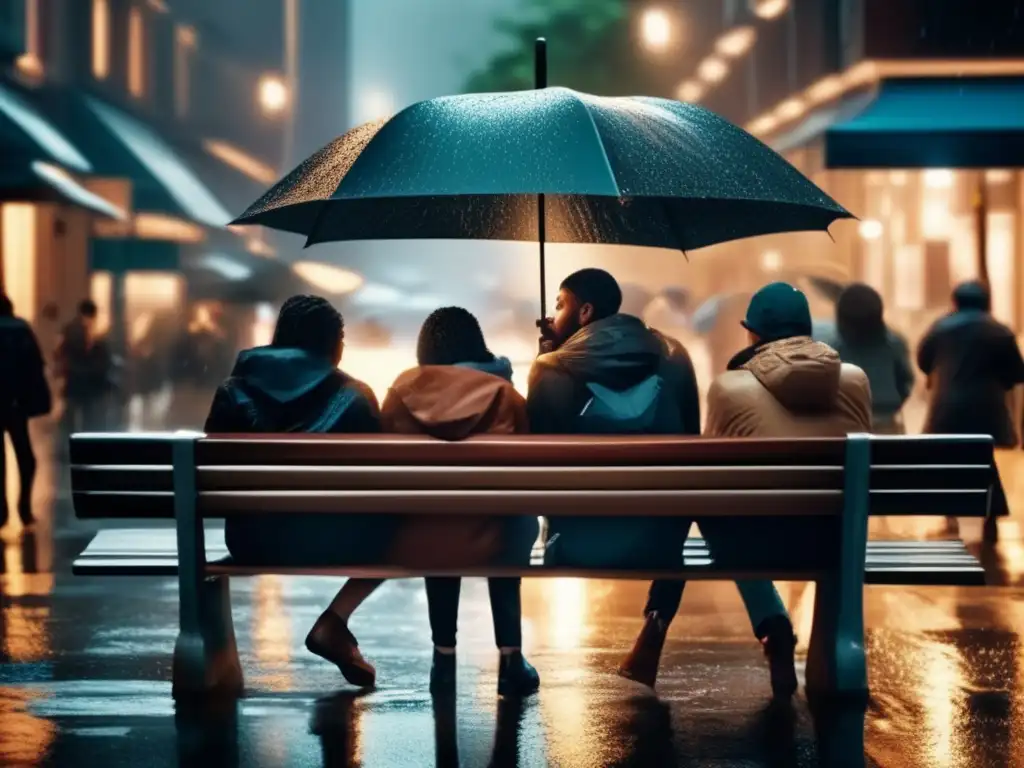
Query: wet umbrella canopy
631,171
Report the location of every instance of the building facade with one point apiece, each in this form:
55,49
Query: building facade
165,132
910,115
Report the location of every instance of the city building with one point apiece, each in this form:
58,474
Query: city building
910,114
144,132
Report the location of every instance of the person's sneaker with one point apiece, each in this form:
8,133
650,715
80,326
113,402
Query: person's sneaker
779,644
331,639
642,662
516,676
442,674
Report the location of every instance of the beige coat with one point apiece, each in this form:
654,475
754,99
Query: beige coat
791,388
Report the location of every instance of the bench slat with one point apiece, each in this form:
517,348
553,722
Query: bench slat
153,552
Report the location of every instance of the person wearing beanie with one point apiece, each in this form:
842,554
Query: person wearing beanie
783,384
608,373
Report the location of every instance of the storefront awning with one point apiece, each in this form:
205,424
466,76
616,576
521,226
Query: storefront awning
35,159
922,123
120,145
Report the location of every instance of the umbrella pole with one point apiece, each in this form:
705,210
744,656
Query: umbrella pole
540,78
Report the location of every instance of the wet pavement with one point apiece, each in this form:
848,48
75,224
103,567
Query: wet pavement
85,672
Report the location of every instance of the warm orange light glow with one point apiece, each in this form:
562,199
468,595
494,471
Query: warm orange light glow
870,229
273,94
736,42
655,29
691,91
327,277
18,230
136,54
157,5
240,160
157,226
825,89
100,39
790,109
257,246
712,70
30,62
763,124
770,9
101,286
184,45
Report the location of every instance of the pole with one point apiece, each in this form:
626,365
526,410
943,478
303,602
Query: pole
540,80
981,226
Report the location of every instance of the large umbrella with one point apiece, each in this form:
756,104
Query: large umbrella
551,165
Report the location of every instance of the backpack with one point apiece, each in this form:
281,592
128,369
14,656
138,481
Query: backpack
643,409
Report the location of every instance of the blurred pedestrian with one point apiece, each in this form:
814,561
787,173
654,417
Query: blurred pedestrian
862,338
459,390
24,394
86,364
972,362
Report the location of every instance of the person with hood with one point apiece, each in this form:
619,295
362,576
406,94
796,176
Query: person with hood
609,373
972,362
294,385
459,390
862,338
24,394
783,384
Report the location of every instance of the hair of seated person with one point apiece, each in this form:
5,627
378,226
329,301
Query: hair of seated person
310,323
451,335
597,288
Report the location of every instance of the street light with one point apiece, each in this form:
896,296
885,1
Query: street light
273,94
712,70
655,29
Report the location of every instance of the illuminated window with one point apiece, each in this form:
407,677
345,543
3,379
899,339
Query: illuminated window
31,61
136,54
100,39
147,296
184,45
18,227
101,287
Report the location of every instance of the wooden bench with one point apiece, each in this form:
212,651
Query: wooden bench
831,485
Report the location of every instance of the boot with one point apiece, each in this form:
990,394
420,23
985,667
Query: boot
642,663
516,676
442,674
779,644
331,639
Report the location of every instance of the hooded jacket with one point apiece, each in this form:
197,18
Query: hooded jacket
453,402
617,352
280,389
456,402
795,387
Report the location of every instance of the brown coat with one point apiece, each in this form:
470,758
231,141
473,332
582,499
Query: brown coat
450,403
790,388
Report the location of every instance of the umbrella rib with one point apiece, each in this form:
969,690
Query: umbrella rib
600,142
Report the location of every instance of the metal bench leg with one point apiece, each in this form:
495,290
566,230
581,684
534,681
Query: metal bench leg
836,664
205,654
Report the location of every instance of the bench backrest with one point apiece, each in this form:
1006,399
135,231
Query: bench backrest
133,475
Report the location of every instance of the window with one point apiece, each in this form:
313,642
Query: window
184,45
100,39
31,61
19,256
136,53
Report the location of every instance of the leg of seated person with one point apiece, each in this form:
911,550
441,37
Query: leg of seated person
663,599
767,613
331,639
516,676
443,609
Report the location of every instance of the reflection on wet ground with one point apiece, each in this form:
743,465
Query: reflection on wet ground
85,674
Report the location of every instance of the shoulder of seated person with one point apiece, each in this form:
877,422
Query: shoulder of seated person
737,381
852,375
